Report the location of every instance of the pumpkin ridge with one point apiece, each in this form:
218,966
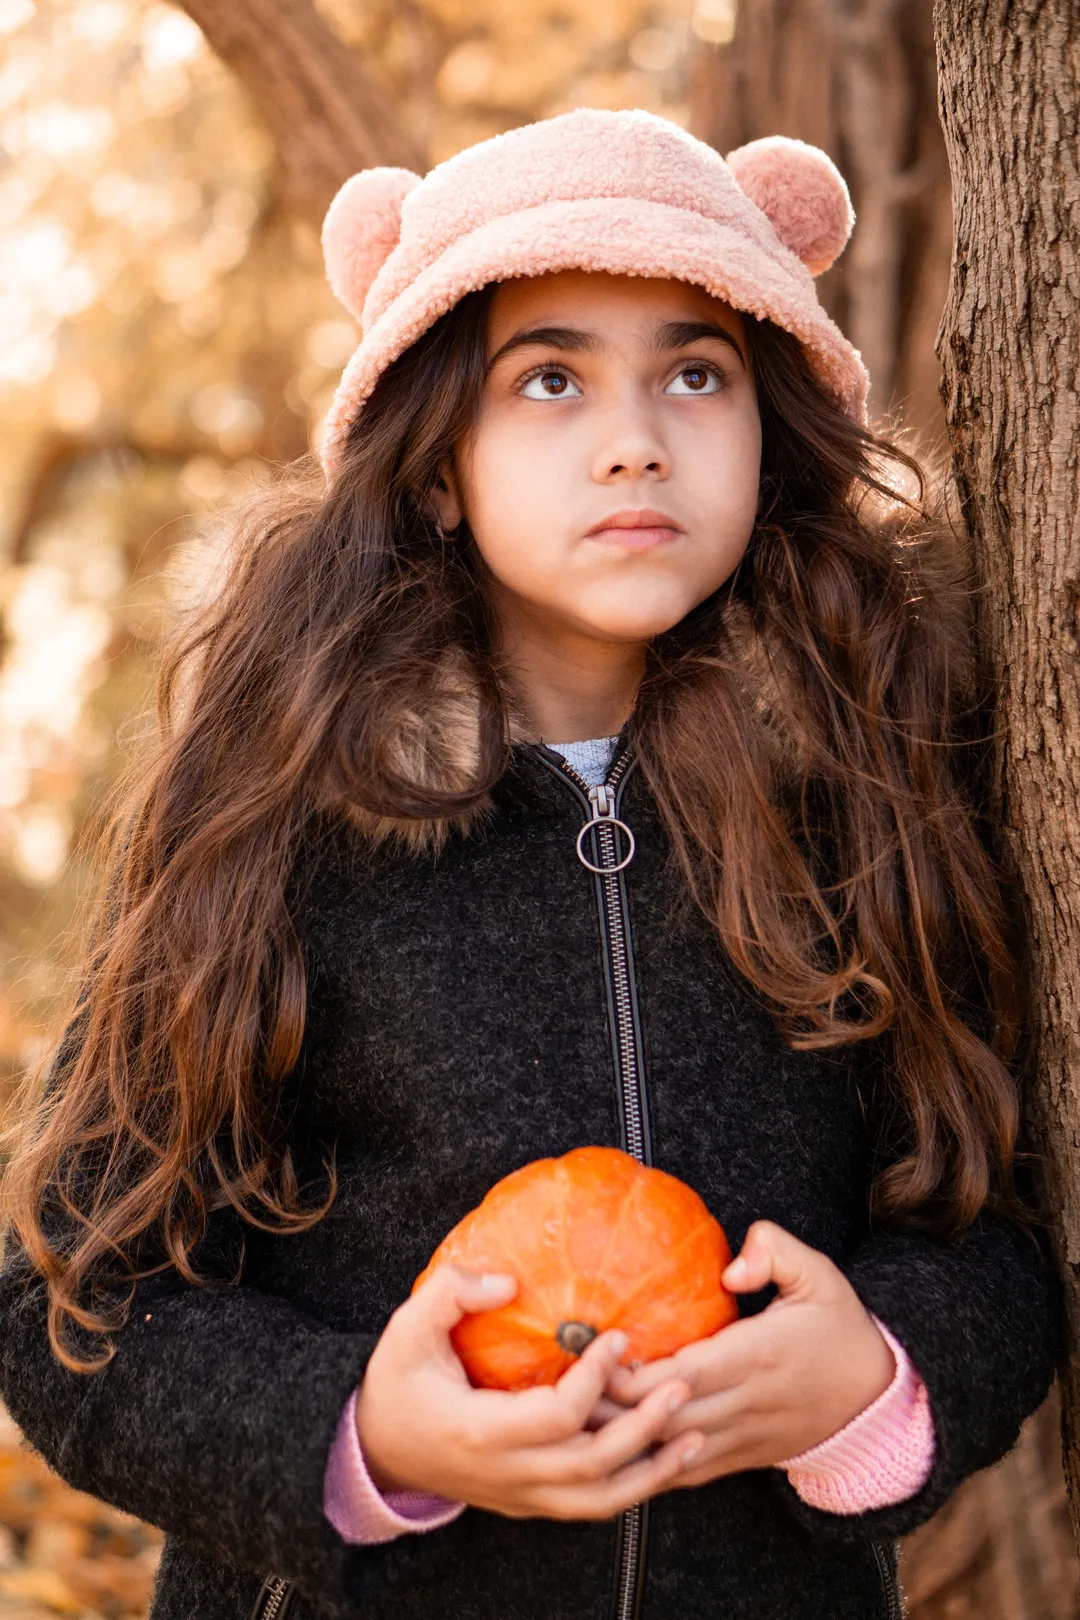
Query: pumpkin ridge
508,1253
528,1324
663,1265
613,1231
541,1300
563,1181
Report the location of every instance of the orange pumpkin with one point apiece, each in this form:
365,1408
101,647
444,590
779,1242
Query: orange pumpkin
596,1241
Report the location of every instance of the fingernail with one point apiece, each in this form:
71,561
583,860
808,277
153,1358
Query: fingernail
618,1343
736,1272
674,1402
690,1451
495,1281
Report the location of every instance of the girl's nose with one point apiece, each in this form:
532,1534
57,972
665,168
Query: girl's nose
630,449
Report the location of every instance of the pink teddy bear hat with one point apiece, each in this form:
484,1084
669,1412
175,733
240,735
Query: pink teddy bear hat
624,192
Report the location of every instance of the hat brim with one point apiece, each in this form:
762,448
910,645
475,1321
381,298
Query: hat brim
619,236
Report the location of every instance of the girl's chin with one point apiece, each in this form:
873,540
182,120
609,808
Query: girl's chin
636,622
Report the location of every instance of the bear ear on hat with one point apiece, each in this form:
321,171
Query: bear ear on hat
802,193
361,230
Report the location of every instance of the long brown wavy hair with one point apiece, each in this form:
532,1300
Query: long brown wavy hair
804,733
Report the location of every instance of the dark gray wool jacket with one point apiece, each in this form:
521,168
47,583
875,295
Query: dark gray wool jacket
470,1012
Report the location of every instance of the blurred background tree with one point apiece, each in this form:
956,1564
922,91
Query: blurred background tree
856,77
167,338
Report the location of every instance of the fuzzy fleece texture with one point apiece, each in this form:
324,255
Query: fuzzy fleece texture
882,1456
629,193
458,1028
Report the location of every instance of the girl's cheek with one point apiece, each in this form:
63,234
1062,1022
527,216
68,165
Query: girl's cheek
515,453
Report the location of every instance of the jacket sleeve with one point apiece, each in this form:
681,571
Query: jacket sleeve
213,1421
980,1318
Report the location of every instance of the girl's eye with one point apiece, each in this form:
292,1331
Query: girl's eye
549,383
696,379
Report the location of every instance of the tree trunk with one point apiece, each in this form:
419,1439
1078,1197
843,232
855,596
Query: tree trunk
1002,1547
327,111
1010,105
855,77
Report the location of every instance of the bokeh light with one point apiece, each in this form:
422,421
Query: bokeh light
167,338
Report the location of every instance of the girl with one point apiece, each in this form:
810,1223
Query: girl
579,764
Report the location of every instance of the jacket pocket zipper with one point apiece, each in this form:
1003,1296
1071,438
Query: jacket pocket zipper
274,1600
894,1603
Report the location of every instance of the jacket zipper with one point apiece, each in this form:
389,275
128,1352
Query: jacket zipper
605,845
274,1600
894,1603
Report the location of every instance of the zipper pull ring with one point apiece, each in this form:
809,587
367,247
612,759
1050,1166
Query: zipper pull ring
602,802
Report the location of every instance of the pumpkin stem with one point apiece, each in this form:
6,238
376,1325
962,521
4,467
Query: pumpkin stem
574,1337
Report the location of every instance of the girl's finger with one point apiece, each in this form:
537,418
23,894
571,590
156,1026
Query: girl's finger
593,1456
449,1294
706,1365
706,1467
718,1458
603,1412
583,1383
714,1415
629,1384
738,1441
550,1413
638,1481
771,1254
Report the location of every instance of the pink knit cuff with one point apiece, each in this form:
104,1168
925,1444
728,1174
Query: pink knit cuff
357,1510
883,1456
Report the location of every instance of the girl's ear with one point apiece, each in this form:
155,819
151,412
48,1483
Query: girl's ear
445,499
801,192
361,229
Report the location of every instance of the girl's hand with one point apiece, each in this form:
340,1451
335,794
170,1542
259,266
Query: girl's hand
770,1386
423,1427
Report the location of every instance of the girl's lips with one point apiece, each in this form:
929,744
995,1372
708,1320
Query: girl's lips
636,539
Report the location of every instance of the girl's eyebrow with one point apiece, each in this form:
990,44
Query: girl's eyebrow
681,334
569,338
573,339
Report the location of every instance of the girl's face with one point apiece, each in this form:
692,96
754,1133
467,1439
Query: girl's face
611,479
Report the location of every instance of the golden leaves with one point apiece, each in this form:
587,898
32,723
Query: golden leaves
62,1553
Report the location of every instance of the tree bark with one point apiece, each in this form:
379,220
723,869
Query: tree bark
855,77
326,109
1010,105
1002,1547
